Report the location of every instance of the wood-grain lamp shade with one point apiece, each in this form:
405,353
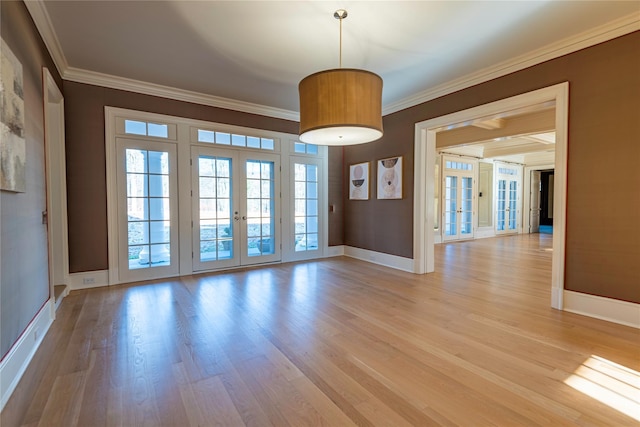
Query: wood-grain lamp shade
341,106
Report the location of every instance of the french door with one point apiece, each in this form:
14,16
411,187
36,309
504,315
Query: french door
458,205
147,209
235,208
508,199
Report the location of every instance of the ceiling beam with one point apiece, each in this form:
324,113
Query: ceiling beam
536,122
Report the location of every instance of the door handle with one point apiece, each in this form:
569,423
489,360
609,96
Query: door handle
244,218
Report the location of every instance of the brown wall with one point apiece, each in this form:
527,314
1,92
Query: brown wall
86,174
603,208
336,205
24,281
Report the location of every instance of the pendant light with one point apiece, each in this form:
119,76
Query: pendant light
341,106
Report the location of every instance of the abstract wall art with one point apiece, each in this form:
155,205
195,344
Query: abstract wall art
390,178
359,181
13,156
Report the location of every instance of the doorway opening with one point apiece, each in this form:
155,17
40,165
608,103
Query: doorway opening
424,174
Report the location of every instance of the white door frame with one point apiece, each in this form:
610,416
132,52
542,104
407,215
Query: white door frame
425,151
58,239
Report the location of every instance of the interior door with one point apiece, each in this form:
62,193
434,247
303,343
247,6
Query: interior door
236,208
534,202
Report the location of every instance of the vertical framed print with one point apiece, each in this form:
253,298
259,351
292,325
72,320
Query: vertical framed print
390,178
359,181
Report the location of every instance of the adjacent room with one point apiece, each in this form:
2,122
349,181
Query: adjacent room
319,213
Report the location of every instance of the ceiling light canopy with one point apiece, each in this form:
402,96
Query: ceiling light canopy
342,106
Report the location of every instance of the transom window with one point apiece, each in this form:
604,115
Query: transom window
458,165
135,127
236,140
508,171
302,148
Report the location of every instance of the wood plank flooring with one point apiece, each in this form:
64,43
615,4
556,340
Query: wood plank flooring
336,342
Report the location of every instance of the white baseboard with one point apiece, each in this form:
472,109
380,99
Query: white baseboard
15,363
335,251
482,232
88,279
612,310
393,261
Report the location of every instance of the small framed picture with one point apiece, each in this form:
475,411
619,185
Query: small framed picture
390,178
359,181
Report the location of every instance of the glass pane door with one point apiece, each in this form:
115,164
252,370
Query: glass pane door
507,208
466,207
236,208
450,207
215,210
513,210
501,205
147,193
458,206
260,209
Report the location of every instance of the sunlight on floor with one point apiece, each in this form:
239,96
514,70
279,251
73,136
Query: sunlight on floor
614,385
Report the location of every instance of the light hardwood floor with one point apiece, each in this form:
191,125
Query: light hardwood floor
335,342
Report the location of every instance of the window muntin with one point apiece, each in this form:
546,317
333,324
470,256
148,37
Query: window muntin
148,208
305,207
215,193
234,139
260,202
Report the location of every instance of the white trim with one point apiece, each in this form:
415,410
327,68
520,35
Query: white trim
603,33
138,86
484,232
89,279
392,261
17,360
619,27
423,205
425,135
609,309
41,18
57,228
332,251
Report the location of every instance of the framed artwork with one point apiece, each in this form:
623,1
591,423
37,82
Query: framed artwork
390,178
13,156
359,181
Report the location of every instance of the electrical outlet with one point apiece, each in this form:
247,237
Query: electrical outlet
88,280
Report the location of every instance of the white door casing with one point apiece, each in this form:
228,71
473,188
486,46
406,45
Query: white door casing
425,152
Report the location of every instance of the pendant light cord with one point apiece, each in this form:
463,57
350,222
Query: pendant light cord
340,14
340,42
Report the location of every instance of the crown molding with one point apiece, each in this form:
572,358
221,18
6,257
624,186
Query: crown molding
131,85
603,33
43,23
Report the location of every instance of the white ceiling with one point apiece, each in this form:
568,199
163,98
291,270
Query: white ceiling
256,52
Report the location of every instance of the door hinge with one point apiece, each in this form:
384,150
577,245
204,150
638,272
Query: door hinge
191,162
